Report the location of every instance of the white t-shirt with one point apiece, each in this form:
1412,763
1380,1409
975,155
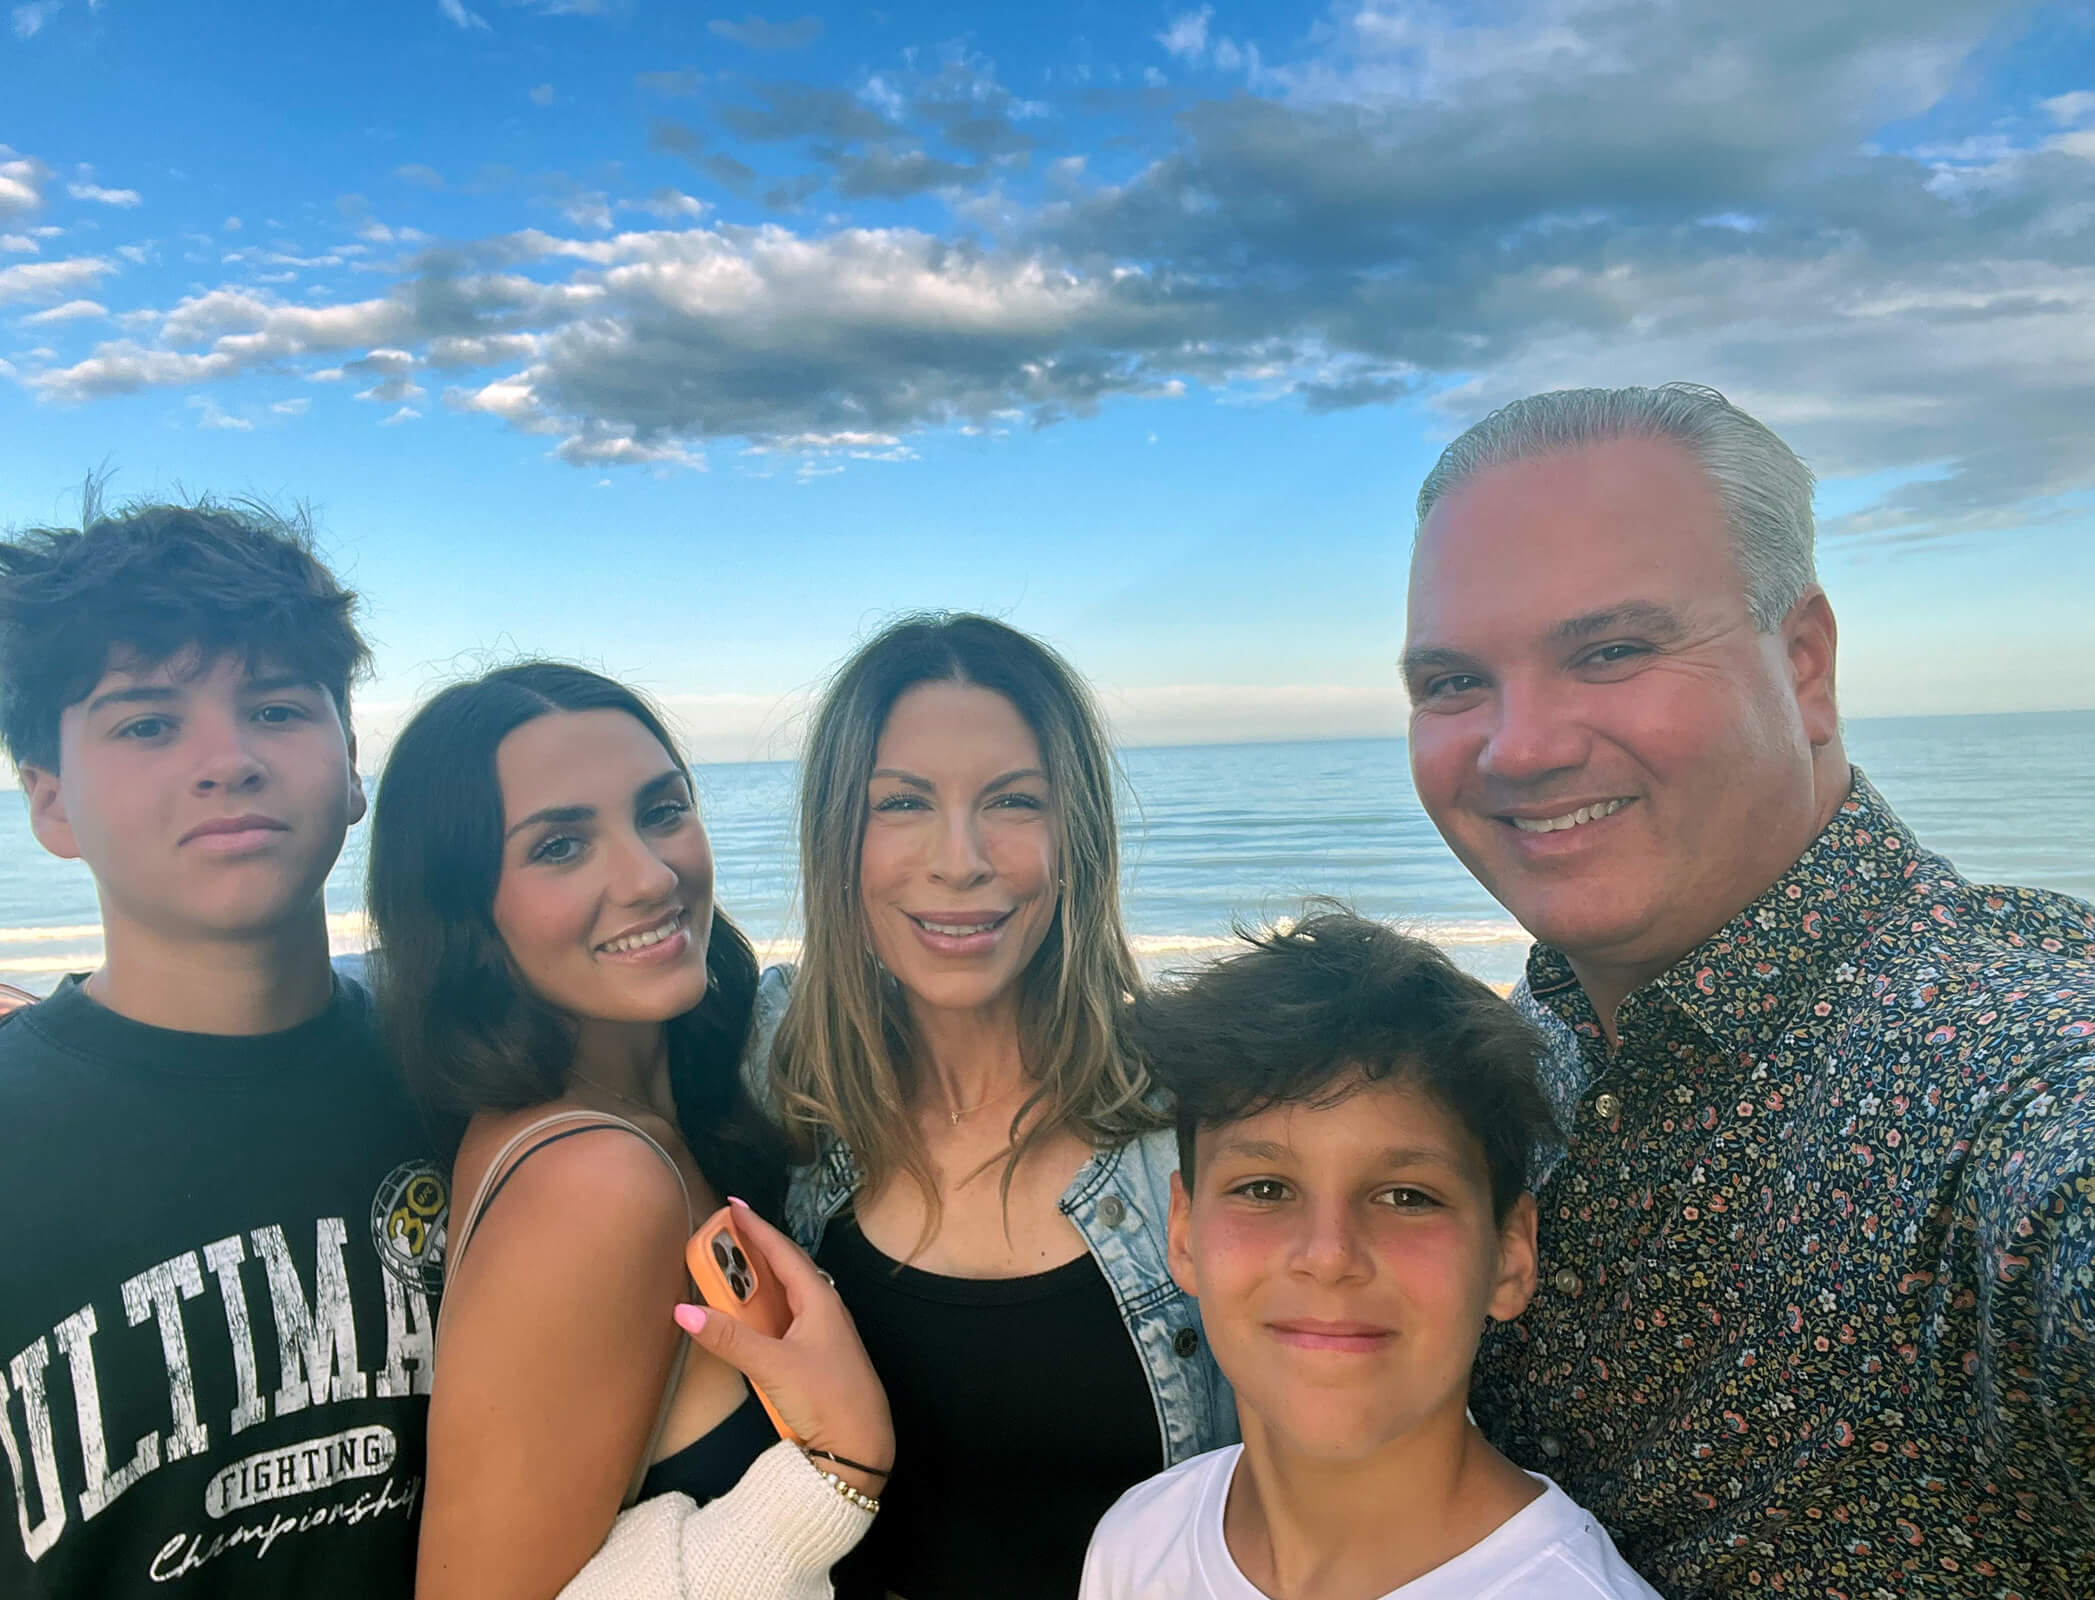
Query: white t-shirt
1163,1541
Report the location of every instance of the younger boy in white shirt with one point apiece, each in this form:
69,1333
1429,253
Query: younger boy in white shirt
1356,1120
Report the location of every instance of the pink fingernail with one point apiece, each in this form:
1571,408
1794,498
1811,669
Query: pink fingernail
737,1200
690,1318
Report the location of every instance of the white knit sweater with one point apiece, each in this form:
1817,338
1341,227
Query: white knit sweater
774,1536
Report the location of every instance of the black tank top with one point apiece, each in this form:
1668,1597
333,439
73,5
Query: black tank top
1021,1413
714,1462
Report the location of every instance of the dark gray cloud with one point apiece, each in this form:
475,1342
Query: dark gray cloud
886,173
972,112
676,139
726,170
792,111
791,194
755,33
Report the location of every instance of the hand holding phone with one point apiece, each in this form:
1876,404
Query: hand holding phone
730,1280
773,1316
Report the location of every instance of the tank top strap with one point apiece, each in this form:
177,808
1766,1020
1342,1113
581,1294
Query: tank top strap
528,1140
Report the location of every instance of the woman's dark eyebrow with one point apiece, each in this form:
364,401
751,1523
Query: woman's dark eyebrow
588,813
673,778
1004,780
552,814
900,776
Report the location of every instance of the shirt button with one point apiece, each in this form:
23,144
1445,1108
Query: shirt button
1565,1281
1551,1445
1607,1108
1112,1211
1186,1342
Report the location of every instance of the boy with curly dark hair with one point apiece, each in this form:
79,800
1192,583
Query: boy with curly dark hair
1356,1120
216,1330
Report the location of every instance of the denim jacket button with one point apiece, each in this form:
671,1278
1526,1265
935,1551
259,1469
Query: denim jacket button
1112,1211
1186,1342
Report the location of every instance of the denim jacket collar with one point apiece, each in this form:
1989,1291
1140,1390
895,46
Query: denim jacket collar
1120,1202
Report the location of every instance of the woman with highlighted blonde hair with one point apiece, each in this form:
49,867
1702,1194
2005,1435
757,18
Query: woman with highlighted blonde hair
985,1168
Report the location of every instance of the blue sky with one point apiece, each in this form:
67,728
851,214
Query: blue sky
694,343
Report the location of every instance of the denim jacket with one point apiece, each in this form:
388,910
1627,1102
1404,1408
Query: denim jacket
1119,1200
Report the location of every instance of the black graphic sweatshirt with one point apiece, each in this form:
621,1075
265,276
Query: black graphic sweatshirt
217,1307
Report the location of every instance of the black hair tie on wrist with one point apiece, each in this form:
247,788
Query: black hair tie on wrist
846,1461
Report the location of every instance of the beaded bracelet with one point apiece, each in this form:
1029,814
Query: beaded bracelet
868,1503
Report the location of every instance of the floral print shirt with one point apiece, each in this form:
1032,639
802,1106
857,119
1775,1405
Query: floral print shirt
1817,1302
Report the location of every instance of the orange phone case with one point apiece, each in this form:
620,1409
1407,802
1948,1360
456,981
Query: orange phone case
732,1283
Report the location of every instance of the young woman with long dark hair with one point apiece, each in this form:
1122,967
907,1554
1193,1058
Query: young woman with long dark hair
559,987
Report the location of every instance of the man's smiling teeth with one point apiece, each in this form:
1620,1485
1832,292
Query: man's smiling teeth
641,940
1571,819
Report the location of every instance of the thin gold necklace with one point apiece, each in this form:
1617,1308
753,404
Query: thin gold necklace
625,1099
953,1117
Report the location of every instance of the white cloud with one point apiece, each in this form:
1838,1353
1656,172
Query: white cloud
209,416
1187,37
29,19
404,414
456,13
292,408
394,372
230,225
588,209
2067,109
21,183
71,311
49,280
19,244
672,204
242,329
125,198
123,366
544,95
884,98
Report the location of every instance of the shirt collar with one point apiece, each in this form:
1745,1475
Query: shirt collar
1746,976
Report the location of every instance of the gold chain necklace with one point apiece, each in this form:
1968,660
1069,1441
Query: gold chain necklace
953,1116
623,1099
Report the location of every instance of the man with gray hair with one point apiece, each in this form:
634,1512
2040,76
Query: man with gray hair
1817,1310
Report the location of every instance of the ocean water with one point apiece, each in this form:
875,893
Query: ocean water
1218,833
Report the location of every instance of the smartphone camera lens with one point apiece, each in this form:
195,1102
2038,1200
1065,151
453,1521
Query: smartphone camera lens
734,1266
